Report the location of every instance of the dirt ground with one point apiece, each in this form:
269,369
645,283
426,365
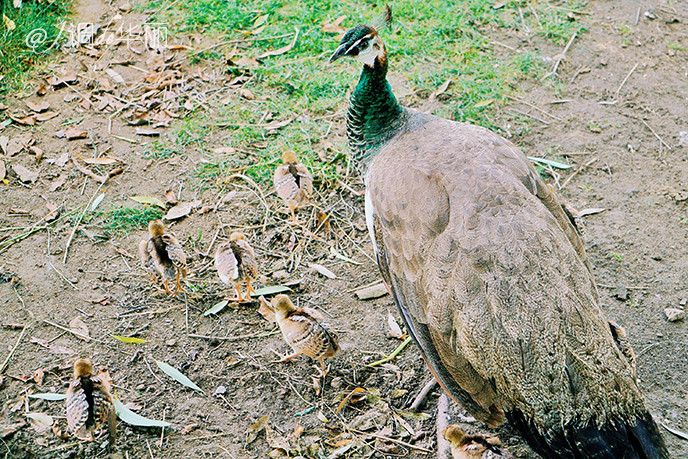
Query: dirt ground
626,105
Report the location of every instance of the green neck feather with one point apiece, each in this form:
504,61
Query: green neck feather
374,114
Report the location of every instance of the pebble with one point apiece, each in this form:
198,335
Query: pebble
621,293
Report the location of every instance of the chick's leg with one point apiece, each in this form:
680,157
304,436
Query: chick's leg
239,298
179,285
249,290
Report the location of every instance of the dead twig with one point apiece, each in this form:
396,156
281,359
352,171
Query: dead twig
422,395
576,172
78,220
236,338
441,424
625,80
14,348
560,57
535,107
656,135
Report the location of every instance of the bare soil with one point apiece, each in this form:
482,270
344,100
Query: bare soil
628,159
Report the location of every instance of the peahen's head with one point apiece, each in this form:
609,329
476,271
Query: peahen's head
363,43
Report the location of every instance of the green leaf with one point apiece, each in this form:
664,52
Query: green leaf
549,162
272,290
130,339
484,103
217,308
128,416
49,396
177,375
148,200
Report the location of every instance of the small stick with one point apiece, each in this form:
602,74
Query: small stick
441,423
561,57
162,431
236,338
393,354
625,80
78,221
9,356
529,114
392,440
576,172
629,288
637,17
656,135
420,398
535,107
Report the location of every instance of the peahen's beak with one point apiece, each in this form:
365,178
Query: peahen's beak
339,52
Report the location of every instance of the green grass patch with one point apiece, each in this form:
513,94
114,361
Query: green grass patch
28,34
428,43
122,220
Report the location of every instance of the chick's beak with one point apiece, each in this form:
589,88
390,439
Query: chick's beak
339,52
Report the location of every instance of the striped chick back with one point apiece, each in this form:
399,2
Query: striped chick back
308,335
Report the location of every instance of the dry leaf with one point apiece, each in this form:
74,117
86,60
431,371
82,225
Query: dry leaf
36,151
246,62
181,210
57,183
246,94
441,89
170,197
591,211
26,120
42,89
40,422
372,292
79,328
38,376
116,77
282,50
17,211
277,124
4,143
71,133
146,132
67,78
394,328
335,26
266,310
7,430
3,170
25,175
322,270
224,150
52,347
38,107
102,161
53,212
46,116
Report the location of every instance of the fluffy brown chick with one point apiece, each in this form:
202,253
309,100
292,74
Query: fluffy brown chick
161,253
89,403
293,182
235,261
305,331
464,446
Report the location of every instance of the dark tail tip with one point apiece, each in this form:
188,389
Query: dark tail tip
638,438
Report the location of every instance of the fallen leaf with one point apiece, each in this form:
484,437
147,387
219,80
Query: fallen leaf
53,212
121,251
36,151
146,132
246,94
128,416
253,431
129,339
105,160
71,133
549,162
49,396
678,433
46,116
54,348
322,270
372,292
591,211
322,417
350,396
148,200
177,375
181,210
339,255
68,77
42,89
38,107
40,422
282,50
224,150
4,143
116,77
38,376
17,211
335,26
277,124
79,328
266,310
7,430
441,89
25,175
57,183
484,103
217,307
25,120
60,161
394,328
3,170
271,290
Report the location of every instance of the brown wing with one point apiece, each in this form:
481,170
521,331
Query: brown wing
304,180
285,183
175,252
490,281
226,263
103,408
309,336
248,266
77,410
